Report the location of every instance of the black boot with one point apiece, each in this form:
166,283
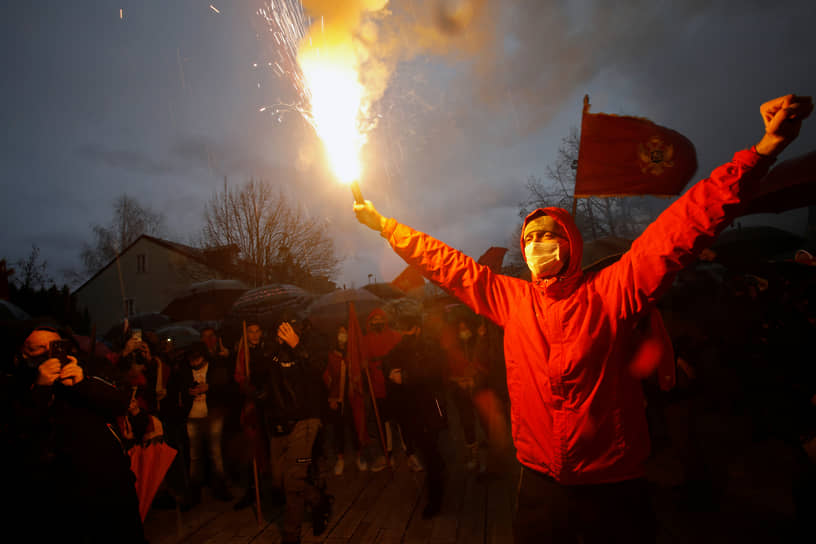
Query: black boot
321,513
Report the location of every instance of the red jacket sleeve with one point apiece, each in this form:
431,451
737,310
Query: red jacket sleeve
487,293
679,234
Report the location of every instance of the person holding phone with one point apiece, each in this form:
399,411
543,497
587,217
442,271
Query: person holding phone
65,463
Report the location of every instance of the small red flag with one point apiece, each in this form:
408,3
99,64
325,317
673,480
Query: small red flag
355,356
354,352
621,155
492,258
409,279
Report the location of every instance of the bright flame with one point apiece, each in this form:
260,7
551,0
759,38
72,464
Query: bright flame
330,57
337,99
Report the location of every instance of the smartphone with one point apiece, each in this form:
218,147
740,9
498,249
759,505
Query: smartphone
59,349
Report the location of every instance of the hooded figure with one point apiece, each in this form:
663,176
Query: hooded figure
577,409
379,339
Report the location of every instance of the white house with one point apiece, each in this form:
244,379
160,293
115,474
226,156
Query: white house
145,278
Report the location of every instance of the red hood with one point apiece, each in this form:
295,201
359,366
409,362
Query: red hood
374,313
566,280
377,344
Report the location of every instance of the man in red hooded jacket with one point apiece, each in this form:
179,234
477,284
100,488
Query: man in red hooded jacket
577,412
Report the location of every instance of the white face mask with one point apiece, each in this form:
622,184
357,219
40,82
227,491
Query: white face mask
543,258
342,337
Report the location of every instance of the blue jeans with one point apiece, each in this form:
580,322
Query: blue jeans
207,430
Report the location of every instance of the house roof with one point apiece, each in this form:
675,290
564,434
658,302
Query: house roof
188,251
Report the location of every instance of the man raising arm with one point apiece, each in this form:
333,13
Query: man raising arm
577,414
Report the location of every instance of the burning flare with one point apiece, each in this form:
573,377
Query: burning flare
330,60
337,99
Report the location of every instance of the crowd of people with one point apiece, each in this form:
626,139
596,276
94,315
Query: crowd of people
292,398
583,363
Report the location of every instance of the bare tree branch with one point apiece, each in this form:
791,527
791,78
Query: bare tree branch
130,220
276,241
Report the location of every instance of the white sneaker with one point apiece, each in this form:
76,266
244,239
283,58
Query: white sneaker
379,464
362,466
339,466
414,463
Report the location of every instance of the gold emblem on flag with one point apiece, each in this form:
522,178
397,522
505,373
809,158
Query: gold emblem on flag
655,156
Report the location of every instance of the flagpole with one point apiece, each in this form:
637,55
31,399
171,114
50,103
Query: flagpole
352,314
377,415
358,194
578,162
254,449
343,384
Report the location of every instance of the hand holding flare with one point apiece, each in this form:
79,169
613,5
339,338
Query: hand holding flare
368,215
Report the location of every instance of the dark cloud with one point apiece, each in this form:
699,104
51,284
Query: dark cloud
164,104
126,159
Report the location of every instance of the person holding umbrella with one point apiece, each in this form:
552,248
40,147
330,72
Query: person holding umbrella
577,410
292,398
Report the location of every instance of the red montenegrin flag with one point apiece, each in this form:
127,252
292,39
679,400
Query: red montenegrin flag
621,156
492,258
409,279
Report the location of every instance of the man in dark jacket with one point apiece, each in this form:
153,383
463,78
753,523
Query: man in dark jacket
292,396
415,383
206,390
65,470
576,403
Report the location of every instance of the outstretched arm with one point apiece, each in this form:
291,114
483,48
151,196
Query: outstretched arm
487,293
693,222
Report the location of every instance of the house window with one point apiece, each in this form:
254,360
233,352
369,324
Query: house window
129,307
141,263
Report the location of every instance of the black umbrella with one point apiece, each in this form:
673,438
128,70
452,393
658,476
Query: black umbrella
790,185
745,247
208,300
269,303
331,310
385,290
602,252
182,336
402,310
149,321
12,312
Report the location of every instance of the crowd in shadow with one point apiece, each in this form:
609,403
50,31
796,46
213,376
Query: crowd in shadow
272,412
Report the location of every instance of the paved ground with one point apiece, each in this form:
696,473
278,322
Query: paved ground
749,501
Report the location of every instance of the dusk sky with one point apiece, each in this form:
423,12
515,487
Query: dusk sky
163,103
